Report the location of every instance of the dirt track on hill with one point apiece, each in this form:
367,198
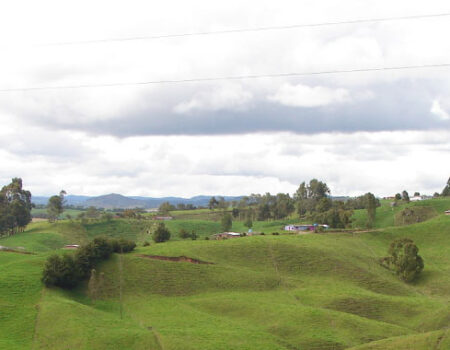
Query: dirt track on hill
176,259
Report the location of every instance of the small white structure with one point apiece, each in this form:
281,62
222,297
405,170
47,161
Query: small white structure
226,235
72,246
416,198
447,212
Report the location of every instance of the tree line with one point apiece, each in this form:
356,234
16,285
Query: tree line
69,270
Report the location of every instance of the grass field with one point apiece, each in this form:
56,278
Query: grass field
312,291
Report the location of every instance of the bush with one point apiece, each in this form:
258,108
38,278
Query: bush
404,259
146,244
193,236
184,234
161,233
275,233
206,238
60,271
262,233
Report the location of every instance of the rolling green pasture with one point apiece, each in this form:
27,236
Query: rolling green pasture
314,291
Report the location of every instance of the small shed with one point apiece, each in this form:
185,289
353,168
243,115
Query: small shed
447,212
226,235
71,246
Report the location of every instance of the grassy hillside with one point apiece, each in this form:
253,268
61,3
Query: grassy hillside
262,292
385,215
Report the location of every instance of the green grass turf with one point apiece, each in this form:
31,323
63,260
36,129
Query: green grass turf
312,291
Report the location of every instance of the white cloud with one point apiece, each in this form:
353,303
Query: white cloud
226,97
305,96
437,109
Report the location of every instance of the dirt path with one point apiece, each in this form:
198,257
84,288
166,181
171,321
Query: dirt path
176,259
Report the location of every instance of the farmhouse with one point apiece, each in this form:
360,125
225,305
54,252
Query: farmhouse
303,227
226,235
447,212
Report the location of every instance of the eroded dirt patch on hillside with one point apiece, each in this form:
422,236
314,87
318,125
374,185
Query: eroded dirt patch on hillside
176,259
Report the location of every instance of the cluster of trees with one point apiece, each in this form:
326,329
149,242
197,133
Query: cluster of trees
166,207
219,203
15,208
70,269
404,259
312,201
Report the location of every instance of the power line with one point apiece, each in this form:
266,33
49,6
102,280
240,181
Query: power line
243,30
235,77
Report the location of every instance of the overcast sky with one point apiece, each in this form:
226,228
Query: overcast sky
381,131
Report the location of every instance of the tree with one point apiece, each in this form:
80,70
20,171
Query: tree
446,190
398,197
15,207
371,206
221,203
161,233
165,208
226,222
405,196
213,203
416,194
308,196
55,206
404,259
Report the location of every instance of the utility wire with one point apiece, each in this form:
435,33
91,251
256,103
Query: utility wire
243,30
233,77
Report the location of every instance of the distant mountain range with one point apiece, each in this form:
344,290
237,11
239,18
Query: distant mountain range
118,201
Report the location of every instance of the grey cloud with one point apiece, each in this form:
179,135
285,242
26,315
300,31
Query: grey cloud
403,105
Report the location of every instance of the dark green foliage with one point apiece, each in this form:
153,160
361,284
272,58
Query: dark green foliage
146,244
446,190
226,222
122,245
307,196
275,233
398,197
336,217
67,271
206,238
404,259
55,206
235,212
184,234
405,196
161,233
193,236
60,271
15,207
213,203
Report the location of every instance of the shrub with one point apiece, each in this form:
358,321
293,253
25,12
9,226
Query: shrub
193,236
206,238
404,259
275,233
262,233
161,233
60,271
146,244
184,234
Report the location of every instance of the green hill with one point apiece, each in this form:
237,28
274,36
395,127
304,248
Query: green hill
263,292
